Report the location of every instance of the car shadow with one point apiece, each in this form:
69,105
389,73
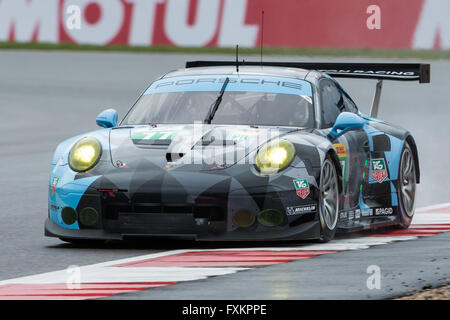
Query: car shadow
161,244
146,244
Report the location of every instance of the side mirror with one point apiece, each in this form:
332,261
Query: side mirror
346,121
107,119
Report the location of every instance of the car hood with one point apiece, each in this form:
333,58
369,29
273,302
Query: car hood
204,145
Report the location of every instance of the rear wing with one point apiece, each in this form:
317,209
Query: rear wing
379,71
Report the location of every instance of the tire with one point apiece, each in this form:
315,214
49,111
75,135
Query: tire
328,200
406,187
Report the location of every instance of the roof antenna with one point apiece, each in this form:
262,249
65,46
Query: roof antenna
262,36
237,58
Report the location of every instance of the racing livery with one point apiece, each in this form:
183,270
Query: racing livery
237,151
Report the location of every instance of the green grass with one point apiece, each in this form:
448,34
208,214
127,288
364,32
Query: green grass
369,53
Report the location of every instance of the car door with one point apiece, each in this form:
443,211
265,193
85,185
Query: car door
352,147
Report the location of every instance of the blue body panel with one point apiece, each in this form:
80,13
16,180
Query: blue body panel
67,189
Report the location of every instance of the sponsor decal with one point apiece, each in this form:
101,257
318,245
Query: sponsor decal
292,211
340,149
240,137
54,207
121,164
351,215
367,213
383,211
342,155
358,213
154,134
406,74
301,188
379,172
244,135
53,185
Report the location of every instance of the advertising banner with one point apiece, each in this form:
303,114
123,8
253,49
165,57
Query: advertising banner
382,24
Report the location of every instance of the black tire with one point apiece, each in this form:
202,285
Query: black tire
406,187
328,200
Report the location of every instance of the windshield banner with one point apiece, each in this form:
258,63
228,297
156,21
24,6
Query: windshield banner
237,83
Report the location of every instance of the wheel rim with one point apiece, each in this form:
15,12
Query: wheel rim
329,195
407,181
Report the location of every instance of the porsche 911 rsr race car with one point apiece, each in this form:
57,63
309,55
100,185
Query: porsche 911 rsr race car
231,151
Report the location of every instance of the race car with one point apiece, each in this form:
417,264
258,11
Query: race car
236,151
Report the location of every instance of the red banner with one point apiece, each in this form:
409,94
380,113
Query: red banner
391,24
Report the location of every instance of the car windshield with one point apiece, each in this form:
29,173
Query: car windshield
248,100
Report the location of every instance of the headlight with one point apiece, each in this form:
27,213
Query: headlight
275,156
85,154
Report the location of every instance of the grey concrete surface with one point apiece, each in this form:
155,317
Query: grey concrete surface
46,97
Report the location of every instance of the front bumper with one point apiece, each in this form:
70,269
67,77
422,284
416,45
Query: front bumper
184,205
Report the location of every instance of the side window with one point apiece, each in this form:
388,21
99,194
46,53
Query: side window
349,105
332,102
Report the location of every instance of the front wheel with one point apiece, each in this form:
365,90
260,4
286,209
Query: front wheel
406,190
328,201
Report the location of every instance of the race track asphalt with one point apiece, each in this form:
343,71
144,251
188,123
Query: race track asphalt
404,267
46,97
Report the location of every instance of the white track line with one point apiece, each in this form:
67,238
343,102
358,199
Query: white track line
433,207
104,272
431,218
91,274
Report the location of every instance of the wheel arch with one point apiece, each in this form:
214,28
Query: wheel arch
413,147
334,157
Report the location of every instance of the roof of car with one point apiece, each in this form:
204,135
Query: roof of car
249,70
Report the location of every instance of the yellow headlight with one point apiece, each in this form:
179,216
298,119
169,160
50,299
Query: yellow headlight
275,156
85,154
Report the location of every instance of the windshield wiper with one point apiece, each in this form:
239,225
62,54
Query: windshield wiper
214,108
